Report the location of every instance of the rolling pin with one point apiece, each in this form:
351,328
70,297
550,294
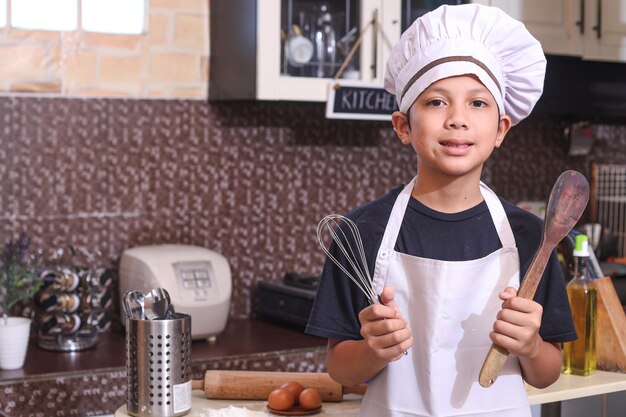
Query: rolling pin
257,385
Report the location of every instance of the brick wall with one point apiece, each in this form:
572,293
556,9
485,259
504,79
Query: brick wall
169,60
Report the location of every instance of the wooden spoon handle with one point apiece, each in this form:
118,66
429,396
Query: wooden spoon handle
529,284
566,204
494,362
497,355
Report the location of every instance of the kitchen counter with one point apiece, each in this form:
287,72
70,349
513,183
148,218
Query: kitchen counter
566,388
93,382
201,406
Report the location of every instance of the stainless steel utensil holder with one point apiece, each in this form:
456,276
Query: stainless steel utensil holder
158,366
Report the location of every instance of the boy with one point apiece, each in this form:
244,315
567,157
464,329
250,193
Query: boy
446,254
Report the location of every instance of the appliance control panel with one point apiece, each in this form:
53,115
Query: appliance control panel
196,279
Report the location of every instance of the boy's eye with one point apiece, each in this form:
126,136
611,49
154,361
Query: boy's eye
436,102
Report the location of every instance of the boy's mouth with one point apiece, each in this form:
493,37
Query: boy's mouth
455,143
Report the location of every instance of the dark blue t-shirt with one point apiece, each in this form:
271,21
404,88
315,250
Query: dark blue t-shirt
426,233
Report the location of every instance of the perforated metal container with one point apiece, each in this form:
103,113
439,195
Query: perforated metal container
158,366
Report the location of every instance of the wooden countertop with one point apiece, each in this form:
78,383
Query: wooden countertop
240,337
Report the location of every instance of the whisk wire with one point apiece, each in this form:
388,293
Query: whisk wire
355,256
335,260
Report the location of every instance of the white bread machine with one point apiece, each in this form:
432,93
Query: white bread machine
198,280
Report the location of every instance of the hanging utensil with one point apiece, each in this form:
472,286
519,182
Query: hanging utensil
298,49
566,205
325,44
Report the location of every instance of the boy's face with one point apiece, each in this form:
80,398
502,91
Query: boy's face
454,126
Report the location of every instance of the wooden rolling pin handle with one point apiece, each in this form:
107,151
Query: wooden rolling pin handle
494,362
354,389
257,385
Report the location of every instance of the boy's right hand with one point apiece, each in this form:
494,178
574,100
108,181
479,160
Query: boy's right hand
384,328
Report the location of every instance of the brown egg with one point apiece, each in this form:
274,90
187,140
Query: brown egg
310,399
281,399
294,388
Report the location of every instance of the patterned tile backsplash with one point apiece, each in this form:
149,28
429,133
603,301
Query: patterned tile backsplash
247,179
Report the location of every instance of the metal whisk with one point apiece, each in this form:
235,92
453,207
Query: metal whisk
350,244
354,255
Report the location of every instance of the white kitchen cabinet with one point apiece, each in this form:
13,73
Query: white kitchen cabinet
607,38
296,46
276,82
592,29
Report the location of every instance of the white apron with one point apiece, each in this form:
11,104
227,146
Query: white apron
450,307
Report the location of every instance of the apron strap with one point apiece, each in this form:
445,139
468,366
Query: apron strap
390,236
503,227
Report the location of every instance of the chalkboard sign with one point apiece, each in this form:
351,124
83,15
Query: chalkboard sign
359,100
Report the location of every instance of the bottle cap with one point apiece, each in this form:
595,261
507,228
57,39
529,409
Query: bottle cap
582,246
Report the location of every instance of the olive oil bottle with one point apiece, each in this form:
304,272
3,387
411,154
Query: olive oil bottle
579,356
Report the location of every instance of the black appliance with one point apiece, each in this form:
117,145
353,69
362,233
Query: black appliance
288,301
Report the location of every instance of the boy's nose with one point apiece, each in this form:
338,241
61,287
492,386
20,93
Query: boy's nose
456,122
456,118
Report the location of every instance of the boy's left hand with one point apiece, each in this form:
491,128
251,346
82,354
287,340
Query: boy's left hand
517,325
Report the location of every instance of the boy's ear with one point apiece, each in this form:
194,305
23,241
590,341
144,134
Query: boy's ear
401,126
504,125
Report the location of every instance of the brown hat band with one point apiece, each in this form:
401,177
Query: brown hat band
443,61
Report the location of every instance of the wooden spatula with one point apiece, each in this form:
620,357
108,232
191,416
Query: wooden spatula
566,204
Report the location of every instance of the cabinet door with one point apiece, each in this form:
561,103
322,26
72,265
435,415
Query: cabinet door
326,31
412,9
606,30
555,23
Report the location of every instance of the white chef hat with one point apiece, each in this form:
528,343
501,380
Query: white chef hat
469,39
